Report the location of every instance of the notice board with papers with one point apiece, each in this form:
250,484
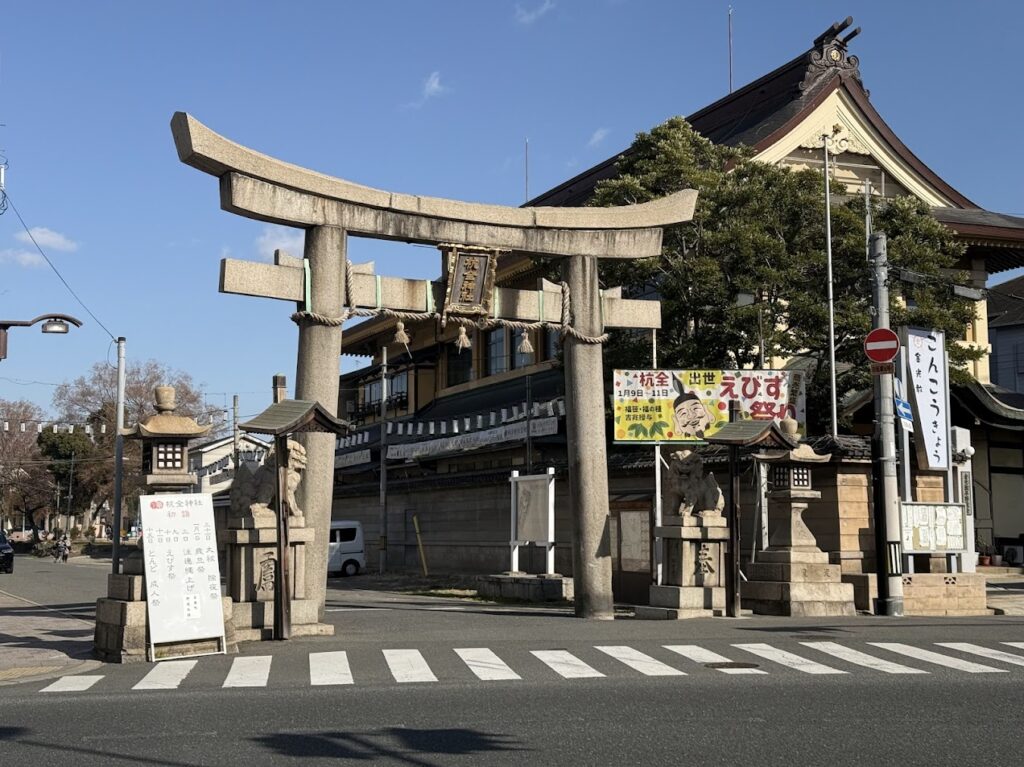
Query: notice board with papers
182,572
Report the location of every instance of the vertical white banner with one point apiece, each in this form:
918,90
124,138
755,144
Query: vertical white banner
182,573
928,374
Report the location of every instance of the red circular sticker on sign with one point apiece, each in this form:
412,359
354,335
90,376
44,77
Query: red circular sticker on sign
881,345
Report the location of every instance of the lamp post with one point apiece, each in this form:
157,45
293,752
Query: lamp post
52,323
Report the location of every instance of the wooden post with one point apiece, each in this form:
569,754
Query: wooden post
282,582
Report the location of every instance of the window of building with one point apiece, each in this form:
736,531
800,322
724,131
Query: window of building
497,358
371,393
459,364
400,383
552,343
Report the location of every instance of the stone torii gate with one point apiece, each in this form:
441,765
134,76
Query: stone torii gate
323,282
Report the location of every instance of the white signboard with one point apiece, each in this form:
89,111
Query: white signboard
182,573
533,515
926,365
929,528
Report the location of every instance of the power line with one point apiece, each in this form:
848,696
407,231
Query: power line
55,271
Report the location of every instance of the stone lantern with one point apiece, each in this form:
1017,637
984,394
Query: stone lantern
165,439
121,634
793,576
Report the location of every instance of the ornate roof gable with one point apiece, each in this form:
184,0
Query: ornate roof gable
829,56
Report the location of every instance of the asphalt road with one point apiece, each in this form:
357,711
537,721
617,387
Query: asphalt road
785,715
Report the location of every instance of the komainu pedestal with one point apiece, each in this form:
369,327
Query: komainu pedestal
693,570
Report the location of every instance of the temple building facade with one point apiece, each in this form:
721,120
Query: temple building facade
455,420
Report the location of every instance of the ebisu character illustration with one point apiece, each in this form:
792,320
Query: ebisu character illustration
691,417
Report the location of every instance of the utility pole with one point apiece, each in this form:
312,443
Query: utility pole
382,544
236,434
118,458
71,491
888,548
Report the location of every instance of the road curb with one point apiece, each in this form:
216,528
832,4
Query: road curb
27,674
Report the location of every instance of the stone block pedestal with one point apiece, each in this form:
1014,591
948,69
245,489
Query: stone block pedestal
525,587
693,570
122,623
796,583
251,562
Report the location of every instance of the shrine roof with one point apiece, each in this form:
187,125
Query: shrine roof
762,112
1006,304
291,416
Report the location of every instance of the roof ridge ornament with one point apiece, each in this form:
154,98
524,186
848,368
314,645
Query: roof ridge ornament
829,55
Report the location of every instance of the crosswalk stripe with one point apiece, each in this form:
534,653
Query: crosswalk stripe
788,659
485,664
937,658
698,654
566,664
249,672
327,668
166,675
1018,645
862,659
639,661
408,666
73,683
1005,657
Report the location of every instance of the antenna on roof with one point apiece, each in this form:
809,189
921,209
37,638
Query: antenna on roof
526,170
730,49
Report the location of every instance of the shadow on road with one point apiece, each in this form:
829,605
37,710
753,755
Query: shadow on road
407,746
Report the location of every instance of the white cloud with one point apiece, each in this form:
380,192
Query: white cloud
432,88
47,239
524,16
597,138
274,238
26,258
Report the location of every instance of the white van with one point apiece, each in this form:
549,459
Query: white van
345,552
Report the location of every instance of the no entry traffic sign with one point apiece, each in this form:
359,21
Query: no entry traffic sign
881,345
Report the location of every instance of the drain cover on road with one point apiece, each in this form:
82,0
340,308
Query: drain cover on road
730,664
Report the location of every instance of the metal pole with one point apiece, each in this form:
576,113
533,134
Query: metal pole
529,424
658,548
236,434
887,510
382,542
71,493
118,458
732,569
831,305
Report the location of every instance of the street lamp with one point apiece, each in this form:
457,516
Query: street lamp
52,323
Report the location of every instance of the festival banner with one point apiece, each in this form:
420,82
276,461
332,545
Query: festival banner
691,405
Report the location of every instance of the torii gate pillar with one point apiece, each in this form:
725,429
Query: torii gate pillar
316,380
588,463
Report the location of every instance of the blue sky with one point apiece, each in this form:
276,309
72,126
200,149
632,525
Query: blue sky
425,98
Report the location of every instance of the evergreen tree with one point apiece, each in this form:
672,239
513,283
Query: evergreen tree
760,229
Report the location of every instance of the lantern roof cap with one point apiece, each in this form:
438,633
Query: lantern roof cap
164,423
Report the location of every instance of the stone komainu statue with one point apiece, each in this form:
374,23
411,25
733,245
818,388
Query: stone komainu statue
256,491
687,489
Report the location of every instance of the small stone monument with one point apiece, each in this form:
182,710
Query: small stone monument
793,576
695,536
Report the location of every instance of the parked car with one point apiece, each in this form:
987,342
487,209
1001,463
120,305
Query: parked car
345,552
6,554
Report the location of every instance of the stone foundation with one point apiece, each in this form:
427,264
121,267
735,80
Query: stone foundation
525,587
945,594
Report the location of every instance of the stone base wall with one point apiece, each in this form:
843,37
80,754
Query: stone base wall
944,594
841,519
